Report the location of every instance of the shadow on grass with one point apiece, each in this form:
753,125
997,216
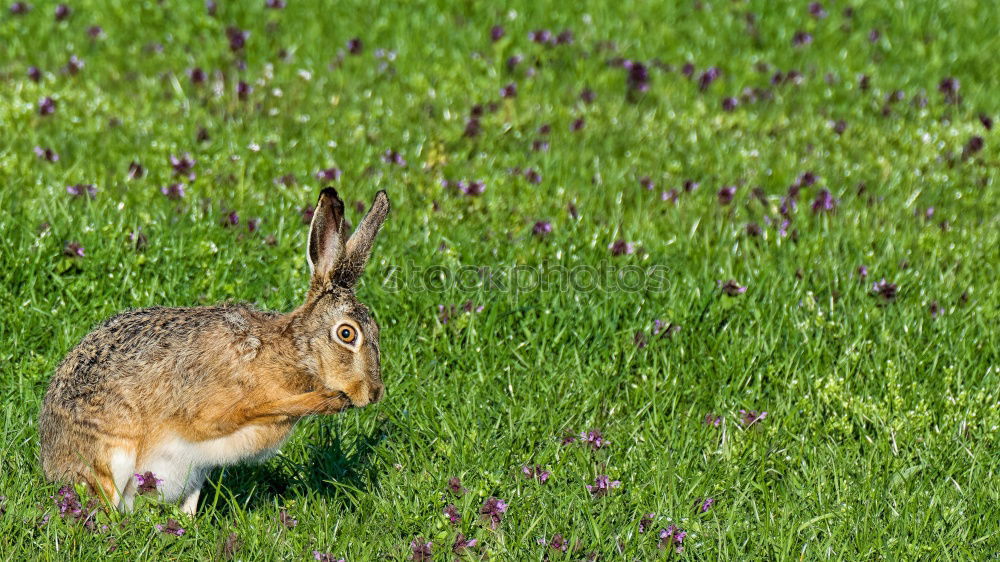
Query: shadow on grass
338,469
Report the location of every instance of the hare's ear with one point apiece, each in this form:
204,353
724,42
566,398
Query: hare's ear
359,246
326,236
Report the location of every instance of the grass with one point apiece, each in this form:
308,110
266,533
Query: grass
881,439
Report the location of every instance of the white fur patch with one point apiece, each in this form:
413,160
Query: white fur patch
122,464
182,465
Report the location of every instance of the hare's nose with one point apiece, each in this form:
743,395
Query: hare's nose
376,393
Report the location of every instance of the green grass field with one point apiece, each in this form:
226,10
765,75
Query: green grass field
857,145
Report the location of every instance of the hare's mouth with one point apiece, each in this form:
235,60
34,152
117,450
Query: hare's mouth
343,396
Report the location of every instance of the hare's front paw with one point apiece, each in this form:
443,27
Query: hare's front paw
334,401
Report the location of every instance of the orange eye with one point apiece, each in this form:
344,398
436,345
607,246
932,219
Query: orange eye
347,333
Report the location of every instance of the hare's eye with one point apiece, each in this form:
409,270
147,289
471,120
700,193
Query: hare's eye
347,333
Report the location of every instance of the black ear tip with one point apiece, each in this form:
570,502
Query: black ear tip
329,192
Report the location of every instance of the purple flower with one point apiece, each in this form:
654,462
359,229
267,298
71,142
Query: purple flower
577,124
74,65
237,38
805,179
541,228
509,91
286,180
672,536
461,544
82,190
146,482
355,46
307,214
329,174
707,77
750,417
232,218
587,96
726,194
46,106
421,550
565,37
690,185
874,35
824,202
35,75
706,504
713,420
197,75
496,33
68,502
935,309
572,210
640,339
390,156
472,127
46,154
688,69
638,76
532,176
174,191
535,472
839,126
788,206
513,61
274,4
645,522
986,120
139,239
974,145
595,439
885,291
20,8
731,288
801,38
862,272
540,36
493,510
602,485
287,520
540,145
474,188
62,12
558,543
673,195
753,229
455,486
183,165
171,528
621,247
326,557
647,183
816,10
243,90
949,87
452,513
729,104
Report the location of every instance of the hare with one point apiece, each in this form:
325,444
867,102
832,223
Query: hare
179,391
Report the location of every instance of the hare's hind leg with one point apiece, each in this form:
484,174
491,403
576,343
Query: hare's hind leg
122,464
195,480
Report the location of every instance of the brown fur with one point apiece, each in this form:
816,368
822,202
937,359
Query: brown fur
191,375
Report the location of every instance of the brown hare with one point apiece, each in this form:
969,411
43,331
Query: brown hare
178,391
